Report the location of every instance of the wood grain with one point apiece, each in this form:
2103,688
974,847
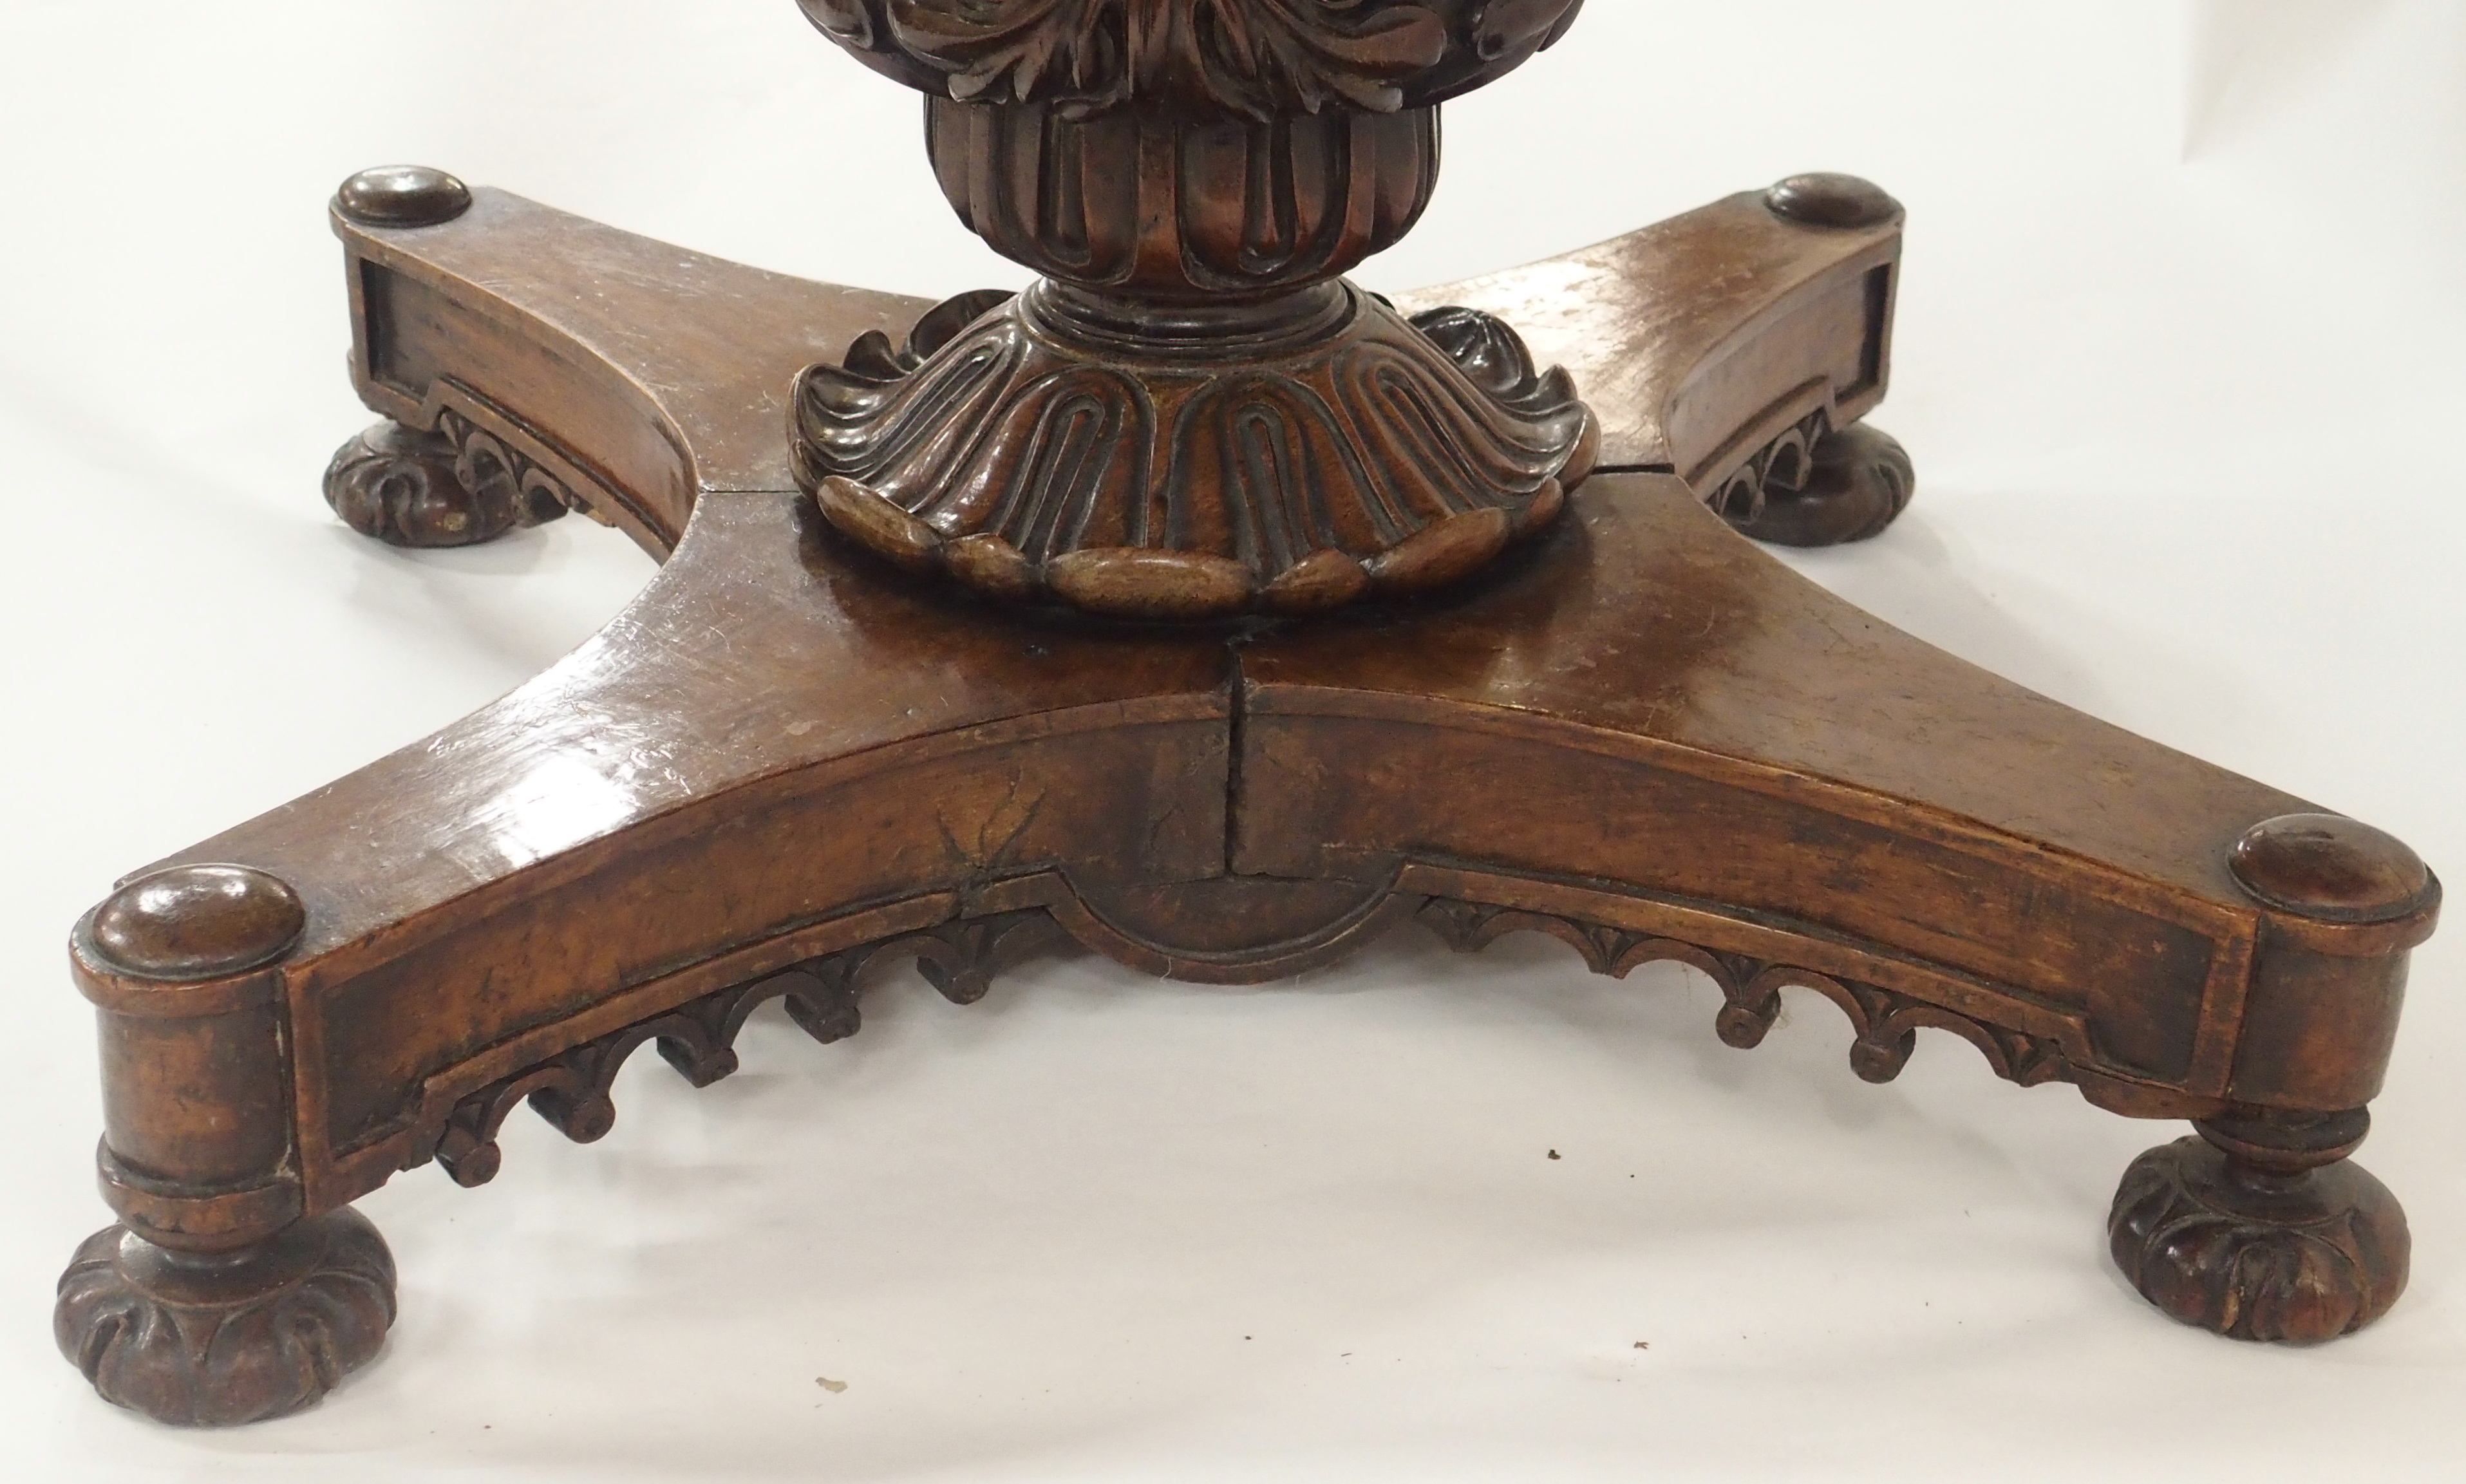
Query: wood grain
1597,713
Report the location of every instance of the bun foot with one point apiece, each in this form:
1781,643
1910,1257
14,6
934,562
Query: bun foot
217,1339
2292,1255
1845,486
410,488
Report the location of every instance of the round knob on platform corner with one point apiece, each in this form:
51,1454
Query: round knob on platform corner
403,195
1828,200
2330,869
197,922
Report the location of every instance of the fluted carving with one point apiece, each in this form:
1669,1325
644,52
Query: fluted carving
1168,205
1192,416
1384,457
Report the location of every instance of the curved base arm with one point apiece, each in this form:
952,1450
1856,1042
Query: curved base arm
787,758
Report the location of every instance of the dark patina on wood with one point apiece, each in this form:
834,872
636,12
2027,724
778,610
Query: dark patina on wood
1660,745
1191,415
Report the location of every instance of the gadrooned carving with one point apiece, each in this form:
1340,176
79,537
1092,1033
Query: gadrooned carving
1192,416
1371,454
457,485
1253,57
2298,1258
216,1342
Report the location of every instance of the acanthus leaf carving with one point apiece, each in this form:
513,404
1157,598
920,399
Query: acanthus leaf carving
220,1342
1381,456
2293,1258
1258,58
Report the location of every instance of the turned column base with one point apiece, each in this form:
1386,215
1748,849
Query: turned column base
213,1341
1146,463
2259,1243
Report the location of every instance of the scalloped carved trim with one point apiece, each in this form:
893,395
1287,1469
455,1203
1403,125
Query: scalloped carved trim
1885,1023
487,463
1816,486
1778,469
961,957
571,1091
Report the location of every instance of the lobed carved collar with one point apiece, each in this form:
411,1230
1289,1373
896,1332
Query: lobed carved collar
1255,59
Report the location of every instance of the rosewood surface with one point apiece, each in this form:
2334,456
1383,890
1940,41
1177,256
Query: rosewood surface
819,738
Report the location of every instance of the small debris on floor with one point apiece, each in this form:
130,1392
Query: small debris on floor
834,1387
1554,1154
1643,1345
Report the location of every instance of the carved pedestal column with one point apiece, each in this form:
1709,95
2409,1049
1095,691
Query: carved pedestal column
789,759
1192,415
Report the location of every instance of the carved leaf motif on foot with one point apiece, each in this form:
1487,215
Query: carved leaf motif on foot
457,485
1885,1023
1816,486
222,1343
397,485
2295,1259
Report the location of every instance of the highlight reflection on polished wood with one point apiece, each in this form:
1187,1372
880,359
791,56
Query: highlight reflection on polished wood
831,730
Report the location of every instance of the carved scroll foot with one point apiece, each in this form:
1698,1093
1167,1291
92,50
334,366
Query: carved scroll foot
213,1341
1817,487
2284,1240
455,486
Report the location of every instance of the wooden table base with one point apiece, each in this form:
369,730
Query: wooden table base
788,760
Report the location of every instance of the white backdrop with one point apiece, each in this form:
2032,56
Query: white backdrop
2179,362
